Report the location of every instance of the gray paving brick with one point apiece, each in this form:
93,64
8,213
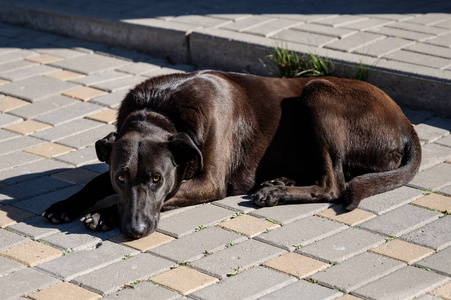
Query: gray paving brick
446,190
341,20
138,68
429,133
81,157
244,255
75,264
78,175
357,271
67,129
242,204
385,202
302,232
8,266
405,283
429,19
24,282
126,271
405,34
354,41
383,47
40,203
417,116
272,27
16,55
18,144
434,154
250,284
286,214
119,84
31,171
417,27
16,159
443,40
444,24
343,245
15,65
446,141
7,119
303,290
112,100
305,38
435,235
142,290
430,50
89,64
100,77
434,178
439,262
325,30
97,167
419,59
37,228
196,245
24,73
28,189
36,88
7,135
43,106
401,220
367,24
247,23
69,113
200,20
60,52
87,138
10,240
186,222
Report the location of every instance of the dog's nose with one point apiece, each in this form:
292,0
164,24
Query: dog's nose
138,230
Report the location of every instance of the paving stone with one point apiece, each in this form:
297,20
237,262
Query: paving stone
78,175
2,81
107,116
15,65
325,30
272,27
251,284
367,24
36,88
440,262
84,93
79,263
248,225
430,50
340,214
184,280
186,222
343,245
429,19
138,68
403,251
443,40
447,190
10,215
144,244
8,266
112,100
49,150
435,201
87,138
18,144
435,235
65,75
142,290
418,28
296,265
64,290
24,73
407,282
92,63
119,84
242,203
6,119
97,78
16,159
200,20
286,214
10,240
243,255
42,107
443,292
301,233
198,244
383,47
126,271
247,23
446,141
303,290
430,133
6,135
348,297
69,113
32,254
433,154
357,271
67,129
434,178
341,20
17,55
385,202
27,127
419,59
400,33
305,38
24,282
44,59
79,158
28,189
38,227
10,103
354,41
97,167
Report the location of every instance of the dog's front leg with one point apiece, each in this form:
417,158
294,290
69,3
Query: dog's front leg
67,210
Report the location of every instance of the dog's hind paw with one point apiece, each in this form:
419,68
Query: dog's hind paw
282,181
59,213
269,196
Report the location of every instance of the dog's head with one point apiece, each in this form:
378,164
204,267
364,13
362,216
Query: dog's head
147,167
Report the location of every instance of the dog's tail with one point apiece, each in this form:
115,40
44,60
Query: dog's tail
371,184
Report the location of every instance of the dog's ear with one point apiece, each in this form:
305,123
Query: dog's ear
104,147
184,150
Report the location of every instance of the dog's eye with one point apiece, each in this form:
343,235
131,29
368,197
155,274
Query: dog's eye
156,178
120,178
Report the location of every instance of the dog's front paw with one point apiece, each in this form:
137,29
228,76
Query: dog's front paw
282,181
101,220
269,196
60,212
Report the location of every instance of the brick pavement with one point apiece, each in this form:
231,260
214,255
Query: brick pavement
59,96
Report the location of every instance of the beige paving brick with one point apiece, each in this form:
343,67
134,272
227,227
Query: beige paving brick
44,59
106,116
8,103
444,291
49,150
153,240
434,201
248,225
32,254
184,280
10,215
65,75
297,265
348,297
448,161
403,251
27,127
340,214
2,81
84,93
66,291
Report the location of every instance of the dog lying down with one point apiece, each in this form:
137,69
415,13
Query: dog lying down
185,139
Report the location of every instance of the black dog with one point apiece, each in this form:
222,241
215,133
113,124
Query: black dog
189,138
